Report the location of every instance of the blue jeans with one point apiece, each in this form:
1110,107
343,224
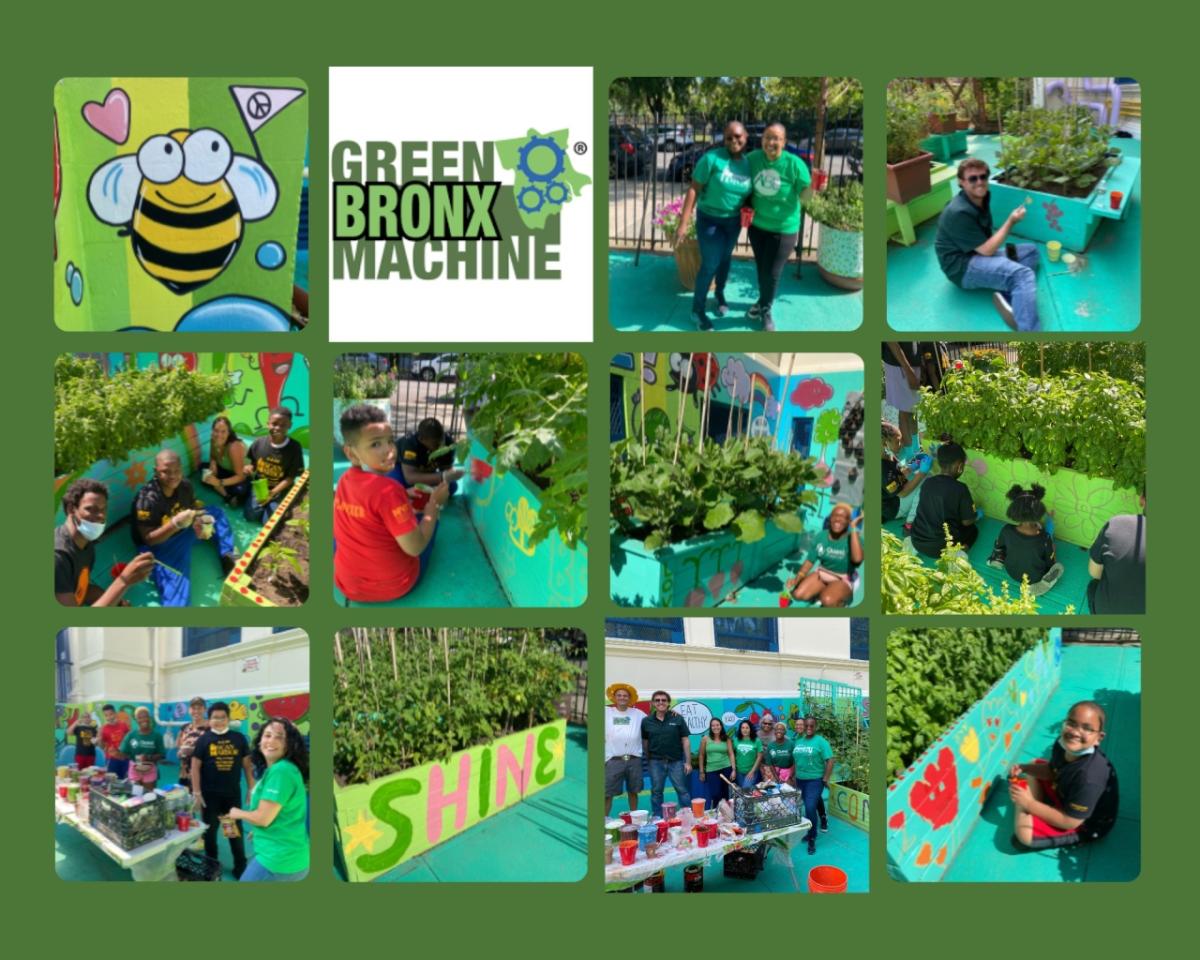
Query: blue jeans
812,790
717,237
1016,278
256,512
256,873
659,771
175,585
750,781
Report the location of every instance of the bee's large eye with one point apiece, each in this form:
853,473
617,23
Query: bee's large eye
207,156
160,159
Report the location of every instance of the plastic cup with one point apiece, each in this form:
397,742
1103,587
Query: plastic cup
1115,198
712,829
608,854
647,833
628,832
747,216
652,849
702,836
669,810
819,179
628,850
1053,250
262,490
62,791
181,822
627,817
663,827
697,809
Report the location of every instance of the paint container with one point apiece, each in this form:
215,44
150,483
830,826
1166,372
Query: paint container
697,809
1115,198
669,809
693,879
64,772
628,850
182,822
62,791
652,850
712,829
640,817
628,832
647,833
701,836
662,831
655,883
612,830
608,851
206,527
1053,250
627,817
675,836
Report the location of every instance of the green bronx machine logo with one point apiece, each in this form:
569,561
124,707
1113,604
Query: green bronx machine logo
436,210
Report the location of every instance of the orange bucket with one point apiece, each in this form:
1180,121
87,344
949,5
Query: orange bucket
826,880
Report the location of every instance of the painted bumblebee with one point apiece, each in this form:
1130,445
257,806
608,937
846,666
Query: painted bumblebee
183,198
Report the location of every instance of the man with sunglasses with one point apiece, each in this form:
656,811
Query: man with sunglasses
666,742
976,256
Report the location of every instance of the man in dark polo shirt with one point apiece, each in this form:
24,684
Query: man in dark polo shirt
1117,563
975,256
666,743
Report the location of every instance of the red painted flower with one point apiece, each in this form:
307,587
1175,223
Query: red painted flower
480,470
936,797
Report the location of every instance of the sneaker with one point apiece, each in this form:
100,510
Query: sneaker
722,306
227,563
996,560
824,826
767,322
1048,581
812,849
702,321
755,312
1004,308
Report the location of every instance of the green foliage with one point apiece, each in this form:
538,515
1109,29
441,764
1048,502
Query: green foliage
907,122
530,411
952,586
404,697
1092,423
735,485
1061,151
353,381
841,723
1121,360
103,418
935,675
839,207
274,555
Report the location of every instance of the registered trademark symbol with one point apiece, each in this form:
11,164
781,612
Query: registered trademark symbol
580,148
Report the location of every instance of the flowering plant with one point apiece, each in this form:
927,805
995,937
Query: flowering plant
667,220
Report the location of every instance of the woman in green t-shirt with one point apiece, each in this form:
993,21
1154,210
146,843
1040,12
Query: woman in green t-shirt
827,574
278,805
720,185
781,183
748,753
716,758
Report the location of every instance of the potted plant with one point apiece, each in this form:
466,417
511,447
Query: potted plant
839,211
939,110
687,250
908,166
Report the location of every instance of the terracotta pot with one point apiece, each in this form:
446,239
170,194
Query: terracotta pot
909,179
942,123
962,124
687,263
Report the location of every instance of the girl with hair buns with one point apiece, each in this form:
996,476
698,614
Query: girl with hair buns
1025,547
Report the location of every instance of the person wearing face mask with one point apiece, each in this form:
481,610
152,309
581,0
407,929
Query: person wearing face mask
219,759
1072,799
276,458
170,520
278,807
781,184
86,507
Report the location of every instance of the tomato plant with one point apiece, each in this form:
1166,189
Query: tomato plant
1121,360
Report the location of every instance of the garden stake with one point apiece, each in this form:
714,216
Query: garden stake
642,400
687,379
729,421
787,386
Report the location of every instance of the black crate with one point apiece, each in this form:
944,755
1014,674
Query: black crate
127,827
769,812
745,864
196,867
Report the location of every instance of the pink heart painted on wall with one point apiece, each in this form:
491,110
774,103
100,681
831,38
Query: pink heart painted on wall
111,118
715,582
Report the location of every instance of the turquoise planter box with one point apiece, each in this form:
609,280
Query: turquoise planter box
943,146
699,572
935,803
1069,221
504,511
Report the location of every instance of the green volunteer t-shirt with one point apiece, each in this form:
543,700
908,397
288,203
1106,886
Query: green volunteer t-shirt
810,754
726,182
777,188
744,752
283,846
716,755
833,555
136,743
779,754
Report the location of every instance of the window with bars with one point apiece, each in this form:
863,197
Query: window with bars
198,640
860,647
62,662
747,633
657,630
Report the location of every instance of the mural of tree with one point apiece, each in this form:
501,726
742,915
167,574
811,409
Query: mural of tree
826,429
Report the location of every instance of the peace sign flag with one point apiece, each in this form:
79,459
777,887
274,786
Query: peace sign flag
260,104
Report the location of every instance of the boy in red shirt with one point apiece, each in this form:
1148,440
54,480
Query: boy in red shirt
381,545
112,733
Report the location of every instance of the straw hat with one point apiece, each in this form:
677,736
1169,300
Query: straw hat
612,689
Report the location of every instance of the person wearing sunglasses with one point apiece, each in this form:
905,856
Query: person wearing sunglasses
974,255
666,742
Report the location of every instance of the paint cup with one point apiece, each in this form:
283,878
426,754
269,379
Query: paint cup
608,853
612,830
747,216
662,831
229,827
1053,250
627,817
1115,198
628,850
655,883
819,180
647,833
64,772
712,829
72,793
674,835
669,810
62,791
651,849
697,809
206,526
640,817
182,822
628,832
262,490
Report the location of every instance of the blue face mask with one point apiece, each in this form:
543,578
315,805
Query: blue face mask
88,530
1080,753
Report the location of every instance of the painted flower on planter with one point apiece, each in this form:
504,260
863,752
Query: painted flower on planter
936,797
480,470
1053,213
811,393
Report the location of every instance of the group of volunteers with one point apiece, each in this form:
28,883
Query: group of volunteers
747,756
168,519
213,759
761,190
387,505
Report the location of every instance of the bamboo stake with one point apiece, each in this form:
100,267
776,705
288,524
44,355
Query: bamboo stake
729,419
446,653
749,415
704,412
687,379
787,392
392,644
642,400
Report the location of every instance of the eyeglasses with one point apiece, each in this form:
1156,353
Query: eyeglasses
661,700
1081,727
977,177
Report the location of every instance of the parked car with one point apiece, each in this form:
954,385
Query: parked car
672,138
444,366
843,139
629,151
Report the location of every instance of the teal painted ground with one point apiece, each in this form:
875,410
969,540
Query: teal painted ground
1104,297
540,840
765,590
459,573
76,858
1071,589
1110,675
844,846
648,297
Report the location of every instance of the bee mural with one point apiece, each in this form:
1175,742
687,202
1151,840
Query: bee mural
183,199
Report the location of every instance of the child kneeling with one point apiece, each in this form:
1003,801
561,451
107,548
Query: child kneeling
827,576
381,546
1025,547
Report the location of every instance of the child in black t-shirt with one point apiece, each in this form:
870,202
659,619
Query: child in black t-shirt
1025,547
1072,799
900,480
945,501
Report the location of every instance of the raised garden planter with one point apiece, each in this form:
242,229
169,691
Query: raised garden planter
946,144
392,819
908,179
504,511
840,257
1081,504
700,572
850,805
245,585
902,218
935,803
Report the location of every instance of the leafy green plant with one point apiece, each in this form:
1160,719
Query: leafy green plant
662,499
97,417
354,381
842,725
1092,423
1120,360
839,207
529,410
274,556
907,122
935,675
952,586
300,524
1061,151
403,697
